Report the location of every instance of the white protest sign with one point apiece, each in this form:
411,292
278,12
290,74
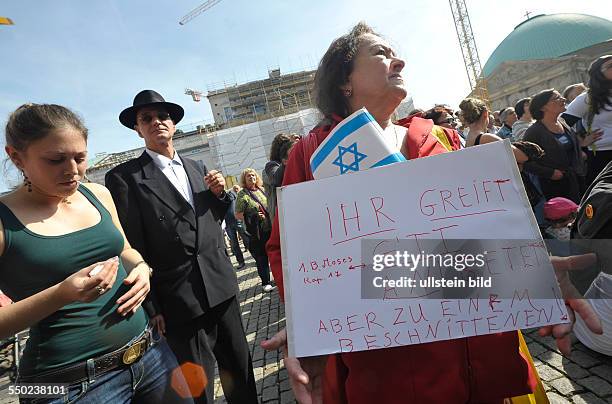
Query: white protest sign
428,203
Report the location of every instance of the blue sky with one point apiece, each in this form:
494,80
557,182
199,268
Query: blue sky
94,56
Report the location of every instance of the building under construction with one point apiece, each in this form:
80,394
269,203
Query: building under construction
277,95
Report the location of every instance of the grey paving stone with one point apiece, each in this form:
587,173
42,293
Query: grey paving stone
566,386
554,398
547,373
603,371
574,371
537,349
270,394
287,397
285,385
553,359
584,359
258,354
548,341
597,385
537,362
587,398
271,380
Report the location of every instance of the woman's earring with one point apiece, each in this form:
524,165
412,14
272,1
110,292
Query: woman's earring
26,182
348,92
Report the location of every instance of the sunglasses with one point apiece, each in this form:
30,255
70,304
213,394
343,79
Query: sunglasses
161,115
449,121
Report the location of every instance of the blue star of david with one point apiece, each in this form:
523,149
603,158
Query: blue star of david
354,166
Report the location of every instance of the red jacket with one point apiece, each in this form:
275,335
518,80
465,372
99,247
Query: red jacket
482,369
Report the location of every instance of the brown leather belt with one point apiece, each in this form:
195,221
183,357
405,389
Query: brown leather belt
78,372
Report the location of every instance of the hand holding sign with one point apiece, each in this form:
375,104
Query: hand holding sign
573,300
305,374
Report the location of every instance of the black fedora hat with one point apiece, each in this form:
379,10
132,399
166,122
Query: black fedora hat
147,98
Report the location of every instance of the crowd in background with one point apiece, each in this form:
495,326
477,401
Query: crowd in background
156,228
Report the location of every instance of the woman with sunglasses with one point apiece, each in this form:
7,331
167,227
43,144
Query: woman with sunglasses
441,115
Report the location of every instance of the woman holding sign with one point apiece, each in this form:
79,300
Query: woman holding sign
359,70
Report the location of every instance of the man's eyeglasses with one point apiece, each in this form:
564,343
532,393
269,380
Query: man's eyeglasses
147,118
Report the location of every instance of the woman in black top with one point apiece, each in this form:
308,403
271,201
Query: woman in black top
557,169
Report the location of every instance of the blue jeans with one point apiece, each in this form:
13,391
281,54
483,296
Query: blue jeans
234,244
148,380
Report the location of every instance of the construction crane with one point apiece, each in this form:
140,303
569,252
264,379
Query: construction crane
198,10
469,50
195,94
6,21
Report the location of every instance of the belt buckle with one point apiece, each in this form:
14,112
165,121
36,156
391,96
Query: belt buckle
133,353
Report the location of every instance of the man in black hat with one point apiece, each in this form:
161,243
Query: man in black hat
171,210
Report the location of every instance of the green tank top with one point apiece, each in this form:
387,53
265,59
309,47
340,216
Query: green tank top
31,263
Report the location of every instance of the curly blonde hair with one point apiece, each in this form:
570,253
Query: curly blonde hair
249,170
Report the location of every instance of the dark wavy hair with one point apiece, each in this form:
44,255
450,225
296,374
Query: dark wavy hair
538,101
599,86
436,112
276,146
286,148
334,70
519,107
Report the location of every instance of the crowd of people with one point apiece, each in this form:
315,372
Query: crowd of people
139,269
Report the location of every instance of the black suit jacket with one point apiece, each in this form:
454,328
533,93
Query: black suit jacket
185,248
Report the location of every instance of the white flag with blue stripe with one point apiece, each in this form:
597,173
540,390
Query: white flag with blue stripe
355,144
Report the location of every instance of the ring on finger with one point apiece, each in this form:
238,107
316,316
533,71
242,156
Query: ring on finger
100,290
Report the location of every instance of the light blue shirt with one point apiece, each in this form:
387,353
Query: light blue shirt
174,170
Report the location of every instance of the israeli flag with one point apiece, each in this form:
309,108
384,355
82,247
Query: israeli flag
357,143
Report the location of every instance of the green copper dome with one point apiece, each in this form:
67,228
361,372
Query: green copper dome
549,36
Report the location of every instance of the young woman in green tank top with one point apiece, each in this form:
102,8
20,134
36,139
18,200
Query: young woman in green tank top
59,243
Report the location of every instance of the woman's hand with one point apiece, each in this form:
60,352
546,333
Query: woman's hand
591,138
574,301
305,374
133,298
89,283
557,175
261,215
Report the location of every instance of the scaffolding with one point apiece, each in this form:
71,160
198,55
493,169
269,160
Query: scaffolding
236,148
275,96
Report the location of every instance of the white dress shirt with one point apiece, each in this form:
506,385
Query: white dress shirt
174,170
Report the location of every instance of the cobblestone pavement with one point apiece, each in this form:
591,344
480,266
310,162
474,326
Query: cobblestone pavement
585,377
